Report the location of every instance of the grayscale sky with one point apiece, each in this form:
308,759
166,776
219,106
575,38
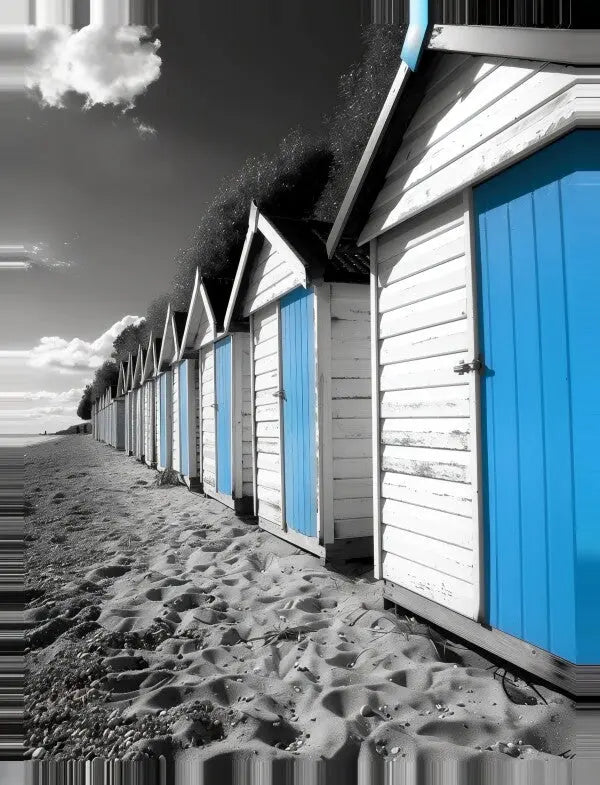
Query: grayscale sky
116,194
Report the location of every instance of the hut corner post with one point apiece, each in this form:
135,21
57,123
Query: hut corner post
475,410
324,440
280,418
236,414
375,411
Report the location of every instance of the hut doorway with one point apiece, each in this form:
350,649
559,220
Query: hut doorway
223,377
538,233
298,411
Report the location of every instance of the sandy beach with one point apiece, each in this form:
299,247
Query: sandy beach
159,622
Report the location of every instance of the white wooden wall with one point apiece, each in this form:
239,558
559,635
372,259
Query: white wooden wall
479,115
428,527
207,416
141,423
267,424
351,410
247,484
271,277
175,418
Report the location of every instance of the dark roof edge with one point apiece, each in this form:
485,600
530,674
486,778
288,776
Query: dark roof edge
368,157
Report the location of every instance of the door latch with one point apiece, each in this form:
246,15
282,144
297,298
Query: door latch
279,394
472,367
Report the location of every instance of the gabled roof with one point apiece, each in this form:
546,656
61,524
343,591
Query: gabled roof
139,367
304,243
167,347
130,370
152,354
122,380
200,306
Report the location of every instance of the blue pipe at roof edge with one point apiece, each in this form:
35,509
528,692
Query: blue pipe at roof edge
414,41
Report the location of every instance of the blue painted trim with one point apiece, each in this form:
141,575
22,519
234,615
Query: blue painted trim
414,41
223,433
184,440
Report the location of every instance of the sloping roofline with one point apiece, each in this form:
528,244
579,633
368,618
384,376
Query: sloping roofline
199,297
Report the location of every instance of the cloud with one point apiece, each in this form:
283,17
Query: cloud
143,129
106,65
37,413
76,355
67,396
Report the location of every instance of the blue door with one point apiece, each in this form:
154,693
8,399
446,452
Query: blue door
184,436
223,414
539,260
163,420
298,412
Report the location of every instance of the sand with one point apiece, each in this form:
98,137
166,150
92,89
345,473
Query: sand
160,622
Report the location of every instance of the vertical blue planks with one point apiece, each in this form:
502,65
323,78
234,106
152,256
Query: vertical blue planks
223,415
184,434
163,419
539,276
299,412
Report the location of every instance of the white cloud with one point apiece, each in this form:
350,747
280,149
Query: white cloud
38,413
67,396
106,65
75,355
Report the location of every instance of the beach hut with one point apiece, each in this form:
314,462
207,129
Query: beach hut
129,405
479,198
310,384
149,396
138,404
163,389
221,440
181,375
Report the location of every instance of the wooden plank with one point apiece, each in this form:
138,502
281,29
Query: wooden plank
350,368
439,464
429,402
429,342
426,372
353,489
351,388
323,327
268,429
268,461
442,495
355,428
442,278
269,412
265,348
353,448
350,468
266,381
349,509
441,248
269,512
346,330
437,310
270,446
351,528
429,524
347,408
269,479
446,590
444,433
345,350
275,292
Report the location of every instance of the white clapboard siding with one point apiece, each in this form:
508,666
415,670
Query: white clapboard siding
207,416
175,419
198,419
476,119
204,332
157,418
247,484
266,414
272,276
351,410
427,526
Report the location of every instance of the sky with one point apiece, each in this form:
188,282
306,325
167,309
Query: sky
103,198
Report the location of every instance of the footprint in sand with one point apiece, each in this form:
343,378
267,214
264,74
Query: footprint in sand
108,571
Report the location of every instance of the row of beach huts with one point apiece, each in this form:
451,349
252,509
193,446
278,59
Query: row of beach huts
417,381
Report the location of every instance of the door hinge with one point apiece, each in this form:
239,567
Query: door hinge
472,367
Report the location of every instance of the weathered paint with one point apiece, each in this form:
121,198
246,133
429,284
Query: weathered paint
299,411
539,235
223,403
